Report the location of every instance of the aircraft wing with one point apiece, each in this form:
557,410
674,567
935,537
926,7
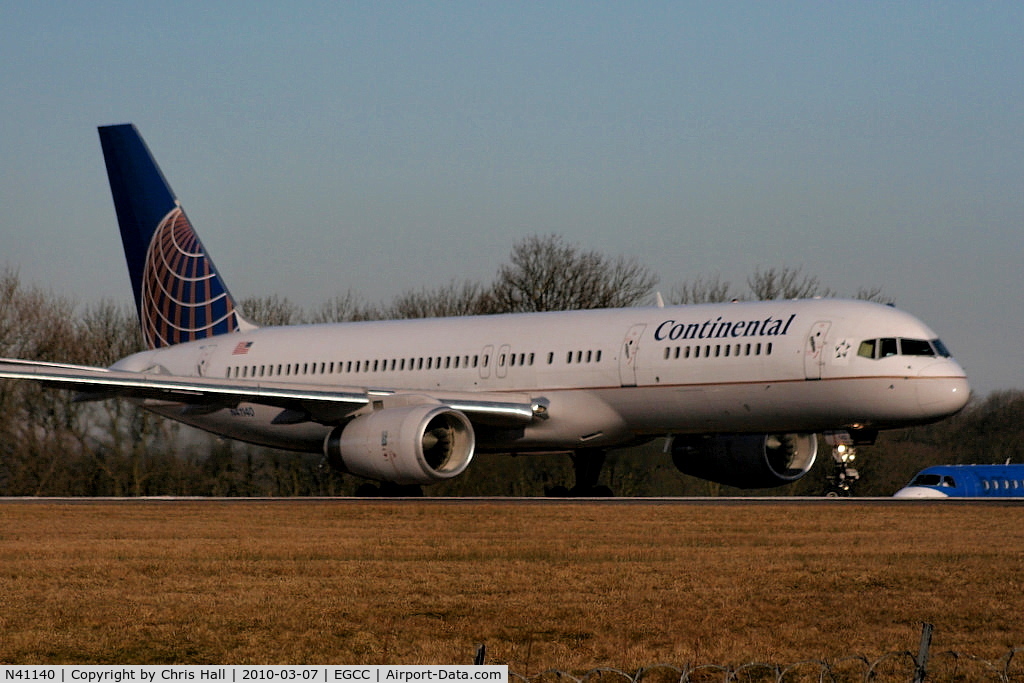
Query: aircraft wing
300,402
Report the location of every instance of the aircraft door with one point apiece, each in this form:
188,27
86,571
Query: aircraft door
204,359
485,362
814,349
501,362
628,355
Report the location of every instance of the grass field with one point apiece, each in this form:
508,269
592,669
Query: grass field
571,586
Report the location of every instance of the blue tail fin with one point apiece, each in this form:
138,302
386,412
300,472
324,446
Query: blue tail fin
179,294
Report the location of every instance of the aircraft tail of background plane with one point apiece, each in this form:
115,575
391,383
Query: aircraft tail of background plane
179,294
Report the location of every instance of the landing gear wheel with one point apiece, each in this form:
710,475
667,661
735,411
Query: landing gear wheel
587,464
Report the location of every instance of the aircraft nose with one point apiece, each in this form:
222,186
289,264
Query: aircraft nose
946,392
918,492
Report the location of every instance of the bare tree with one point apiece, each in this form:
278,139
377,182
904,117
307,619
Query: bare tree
108,331
765,285
453,299
271,310
345,307
702,290
547,274
39,426
785,283
872,294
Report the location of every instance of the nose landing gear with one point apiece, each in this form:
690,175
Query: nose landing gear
844,476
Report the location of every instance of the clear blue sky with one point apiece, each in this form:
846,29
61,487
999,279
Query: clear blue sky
379,147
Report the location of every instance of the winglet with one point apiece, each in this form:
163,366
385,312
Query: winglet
179,294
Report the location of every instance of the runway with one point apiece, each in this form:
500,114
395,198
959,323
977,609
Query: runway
736,501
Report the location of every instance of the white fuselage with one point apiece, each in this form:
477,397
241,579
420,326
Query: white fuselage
609,377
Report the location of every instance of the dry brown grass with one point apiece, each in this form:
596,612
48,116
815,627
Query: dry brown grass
572,586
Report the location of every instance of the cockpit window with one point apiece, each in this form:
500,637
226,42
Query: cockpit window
927,480
886,347
916,347
948,481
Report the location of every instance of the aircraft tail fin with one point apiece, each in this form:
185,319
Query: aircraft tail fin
179,294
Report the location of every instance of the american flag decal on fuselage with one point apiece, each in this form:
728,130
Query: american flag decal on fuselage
183,298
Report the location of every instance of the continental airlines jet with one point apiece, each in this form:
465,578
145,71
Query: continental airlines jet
740,388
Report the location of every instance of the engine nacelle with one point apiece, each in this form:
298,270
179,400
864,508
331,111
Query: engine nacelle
746,461
413,444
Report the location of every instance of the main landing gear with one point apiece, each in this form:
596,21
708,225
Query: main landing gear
587,464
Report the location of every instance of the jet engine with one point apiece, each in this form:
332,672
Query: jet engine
746,461
413,444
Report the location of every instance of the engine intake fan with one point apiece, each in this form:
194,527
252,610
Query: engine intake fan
746,461
412,444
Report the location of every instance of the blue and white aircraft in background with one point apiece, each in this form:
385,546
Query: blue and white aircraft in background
966,481
740,389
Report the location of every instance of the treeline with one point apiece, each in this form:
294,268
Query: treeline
52,445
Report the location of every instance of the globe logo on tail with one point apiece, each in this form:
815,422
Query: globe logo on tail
183,298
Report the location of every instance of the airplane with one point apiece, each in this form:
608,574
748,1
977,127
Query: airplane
740,389
966,481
